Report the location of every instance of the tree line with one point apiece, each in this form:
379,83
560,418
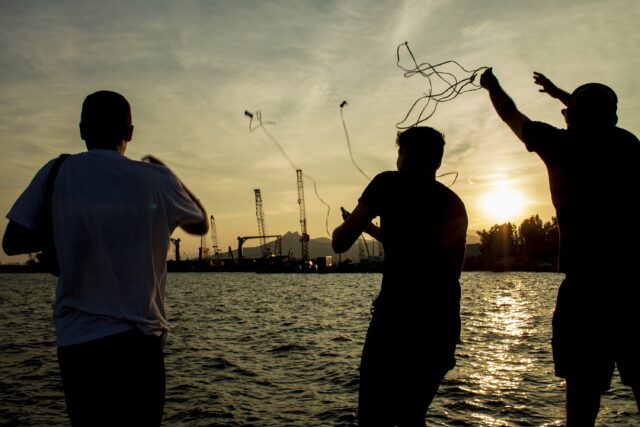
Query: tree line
532,246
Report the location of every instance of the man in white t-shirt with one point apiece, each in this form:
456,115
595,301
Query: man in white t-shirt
111,219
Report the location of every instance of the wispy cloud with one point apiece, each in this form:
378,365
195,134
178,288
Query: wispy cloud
191,69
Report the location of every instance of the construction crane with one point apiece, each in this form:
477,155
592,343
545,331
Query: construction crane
176,244
243,239
214,239
203,251
266,251
304,237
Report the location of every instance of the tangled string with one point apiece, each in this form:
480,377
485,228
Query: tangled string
446,81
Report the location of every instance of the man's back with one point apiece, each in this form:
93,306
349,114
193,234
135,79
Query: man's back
423,226
594,188
112,218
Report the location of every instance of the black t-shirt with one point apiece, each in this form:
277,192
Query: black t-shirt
594,179
423,226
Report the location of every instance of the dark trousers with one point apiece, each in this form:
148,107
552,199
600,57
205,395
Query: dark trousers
401,368
118,380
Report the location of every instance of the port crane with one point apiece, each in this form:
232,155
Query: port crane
266,251
176,244
304,237
203,251
214,239
243,239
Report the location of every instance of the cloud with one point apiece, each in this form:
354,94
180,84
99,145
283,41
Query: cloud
191,69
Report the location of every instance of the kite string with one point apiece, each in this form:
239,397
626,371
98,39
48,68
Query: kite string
346,133
273,139
454,86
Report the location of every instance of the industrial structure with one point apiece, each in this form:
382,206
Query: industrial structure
304,237
243,239
262,234
214,239
176,244
203,251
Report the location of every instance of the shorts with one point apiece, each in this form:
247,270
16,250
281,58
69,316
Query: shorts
595,330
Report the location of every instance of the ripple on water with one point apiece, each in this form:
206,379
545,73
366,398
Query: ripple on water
283,350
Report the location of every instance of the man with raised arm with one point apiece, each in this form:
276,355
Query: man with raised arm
112,218
415,327
595,189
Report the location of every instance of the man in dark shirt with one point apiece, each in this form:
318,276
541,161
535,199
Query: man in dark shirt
415,327
594,184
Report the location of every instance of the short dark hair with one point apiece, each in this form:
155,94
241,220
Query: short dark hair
423,145
105,119
593,105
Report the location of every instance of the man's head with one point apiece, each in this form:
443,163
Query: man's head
593,105
420,148
106,120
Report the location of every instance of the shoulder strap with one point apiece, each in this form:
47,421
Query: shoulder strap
49,254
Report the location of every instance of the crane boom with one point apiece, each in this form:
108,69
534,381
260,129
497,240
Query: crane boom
261,229
214,238
304,238
242,239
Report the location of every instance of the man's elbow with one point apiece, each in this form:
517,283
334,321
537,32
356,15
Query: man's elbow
8,247
198,229
18,240
339,246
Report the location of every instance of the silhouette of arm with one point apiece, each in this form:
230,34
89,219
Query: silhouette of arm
550,88
18,239
355,224
198,228
503,104
371,229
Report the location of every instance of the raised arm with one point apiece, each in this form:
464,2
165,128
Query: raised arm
503,104
371,229
355,223
549,87
198,228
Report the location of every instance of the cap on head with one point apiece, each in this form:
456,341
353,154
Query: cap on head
424,146
105,119
593,105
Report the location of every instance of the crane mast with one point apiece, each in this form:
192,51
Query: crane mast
304,238
176,243
203,251
261,229
214,239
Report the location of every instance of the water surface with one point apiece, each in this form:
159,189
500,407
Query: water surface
283,350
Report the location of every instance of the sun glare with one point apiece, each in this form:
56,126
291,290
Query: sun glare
502,204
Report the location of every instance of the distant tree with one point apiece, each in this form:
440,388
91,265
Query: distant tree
532,239
499,245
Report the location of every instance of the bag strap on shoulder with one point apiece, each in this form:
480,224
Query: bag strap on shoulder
50,256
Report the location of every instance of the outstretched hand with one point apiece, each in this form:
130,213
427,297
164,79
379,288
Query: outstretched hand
487,79
345,213
546,84
550,88
152,159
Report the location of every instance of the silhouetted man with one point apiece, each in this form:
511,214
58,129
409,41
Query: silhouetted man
411,341
112,218
593,175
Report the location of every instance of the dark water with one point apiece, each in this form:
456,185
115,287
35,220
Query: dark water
283,350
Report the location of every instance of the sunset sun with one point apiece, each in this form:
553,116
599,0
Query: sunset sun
502,204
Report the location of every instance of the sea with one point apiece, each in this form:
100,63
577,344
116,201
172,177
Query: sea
249,349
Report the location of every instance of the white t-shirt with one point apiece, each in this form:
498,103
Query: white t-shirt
112,221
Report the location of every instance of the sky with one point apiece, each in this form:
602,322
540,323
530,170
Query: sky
190,69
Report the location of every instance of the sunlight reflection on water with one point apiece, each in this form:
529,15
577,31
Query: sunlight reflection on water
283,350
